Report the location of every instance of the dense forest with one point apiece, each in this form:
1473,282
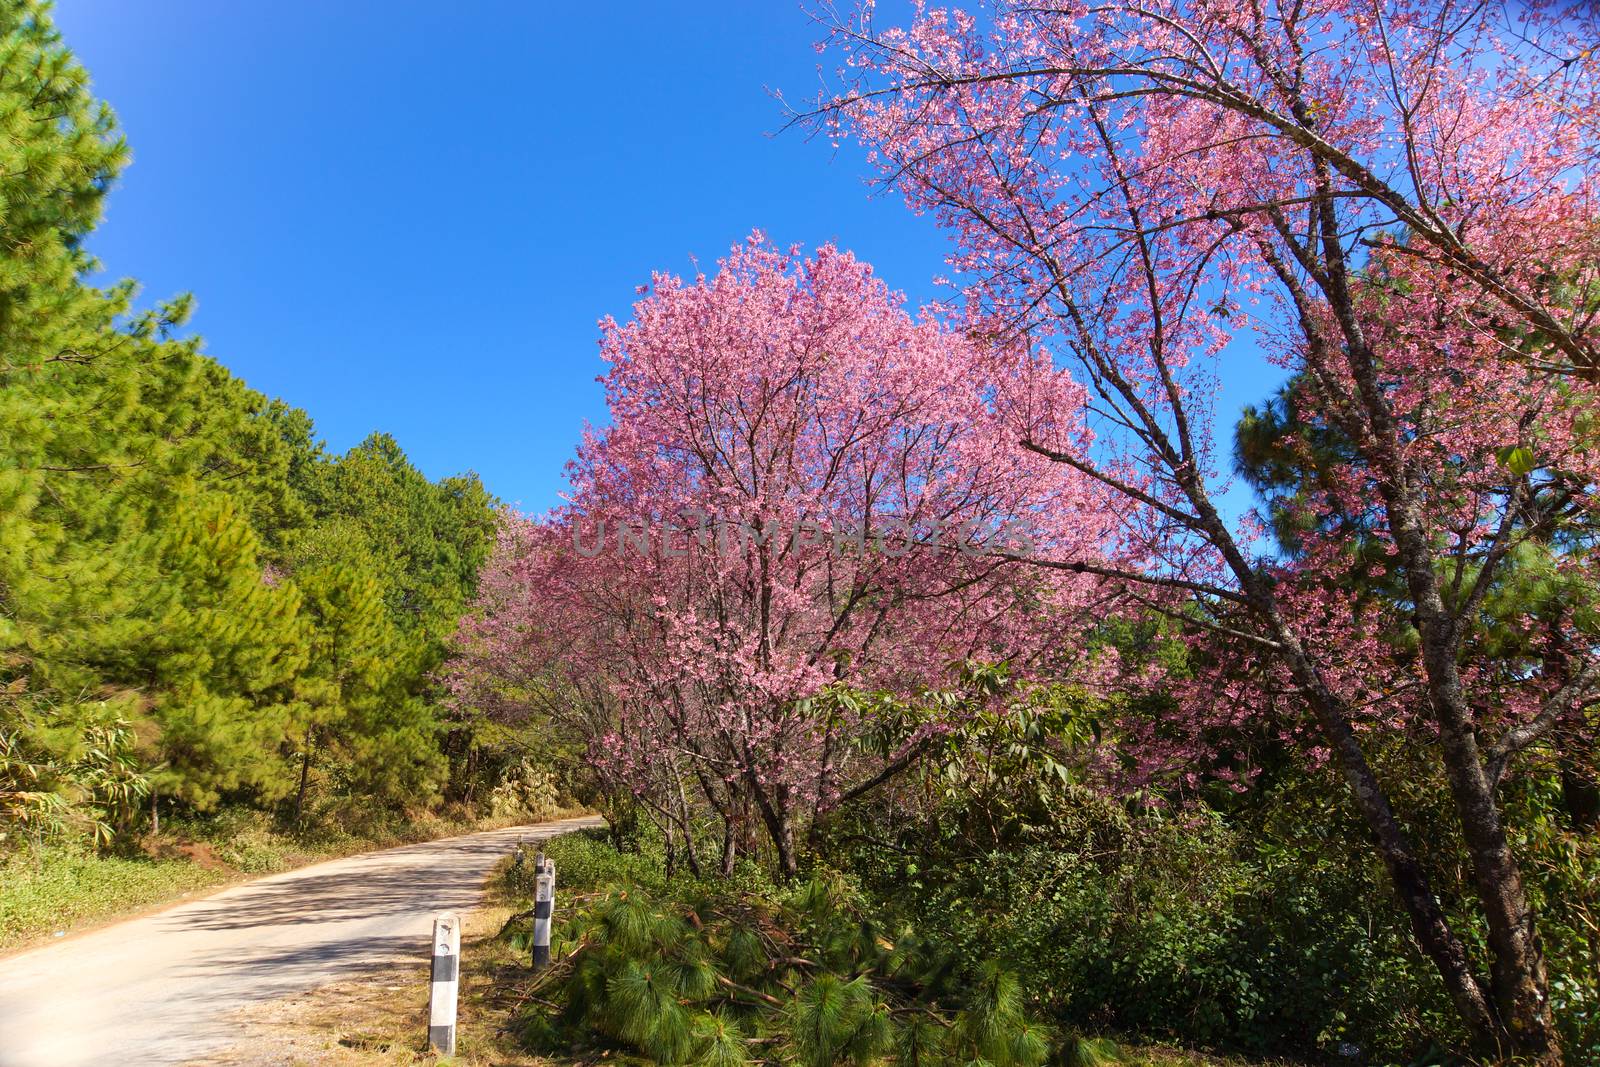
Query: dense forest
199,603
944,706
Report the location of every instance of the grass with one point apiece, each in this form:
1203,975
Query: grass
52,890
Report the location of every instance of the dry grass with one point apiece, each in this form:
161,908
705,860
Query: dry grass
382,1018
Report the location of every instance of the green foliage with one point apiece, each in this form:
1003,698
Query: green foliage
129,465
587,862
388,564
692,972
1261,925
177,553
1562,867
93,784
425,541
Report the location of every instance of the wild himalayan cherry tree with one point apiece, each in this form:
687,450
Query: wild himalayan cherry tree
1396,202
800,490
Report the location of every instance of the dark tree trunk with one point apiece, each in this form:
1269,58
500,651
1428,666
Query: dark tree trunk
783,843
305,776
471,789
777,813
1517,978
1580,790
1520,1025
690,857
1429,923
1510,1013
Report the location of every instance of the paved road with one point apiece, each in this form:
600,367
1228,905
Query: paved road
159,990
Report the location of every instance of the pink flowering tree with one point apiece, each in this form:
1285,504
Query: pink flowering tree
801,498
1396,202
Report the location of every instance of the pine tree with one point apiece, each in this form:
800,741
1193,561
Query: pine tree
182,566
362,716
58,153
715,977
131,470
421,545
428,539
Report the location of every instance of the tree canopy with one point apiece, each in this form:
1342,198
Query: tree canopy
180,559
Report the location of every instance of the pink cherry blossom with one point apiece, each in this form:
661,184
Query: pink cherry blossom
1396,202
799,493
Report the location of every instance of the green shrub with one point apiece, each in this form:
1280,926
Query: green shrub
1562,864
1170,927
585,862
526,790
1128,924
812,975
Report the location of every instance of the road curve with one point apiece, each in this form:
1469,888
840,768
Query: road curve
160,989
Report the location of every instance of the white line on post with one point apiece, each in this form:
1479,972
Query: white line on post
446,977
544,906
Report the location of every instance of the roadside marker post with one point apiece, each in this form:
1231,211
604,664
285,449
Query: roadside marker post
446,978
544,906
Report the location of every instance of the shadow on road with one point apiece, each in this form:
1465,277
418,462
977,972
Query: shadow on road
372,887
164,989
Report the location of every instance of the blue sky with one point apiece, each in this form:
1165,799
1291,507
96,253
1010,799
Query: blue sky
408,217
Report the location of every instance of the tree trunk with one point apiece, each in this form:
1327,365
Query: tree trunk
1429,924
730,847
470,791
783,842
1517,971
690,857
776,813
1481,1010
1517,978
305,775
1580,788
685,824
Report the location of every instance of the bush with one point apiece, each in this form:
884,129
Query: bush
811,975
1126,922
1562,864
586,861
526,790
1175,927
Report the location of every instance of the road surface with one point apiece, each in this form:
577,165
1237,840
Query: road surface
160,989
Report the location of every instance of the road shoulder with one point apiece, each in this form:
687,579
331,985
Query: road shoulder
381,1018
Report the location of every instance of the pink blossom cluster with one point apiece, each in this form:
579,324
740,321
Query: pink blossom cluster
784,393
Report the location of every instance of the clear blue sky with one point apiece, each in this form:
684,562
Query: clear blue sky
408,217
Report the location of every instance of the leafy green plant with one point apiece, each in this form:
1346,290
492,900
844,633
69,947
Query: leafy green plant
1214,926
83,781
586,861
811,975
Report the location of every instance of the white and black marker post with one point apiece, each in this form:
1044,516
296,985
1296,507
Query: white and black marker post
446,977
544,906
